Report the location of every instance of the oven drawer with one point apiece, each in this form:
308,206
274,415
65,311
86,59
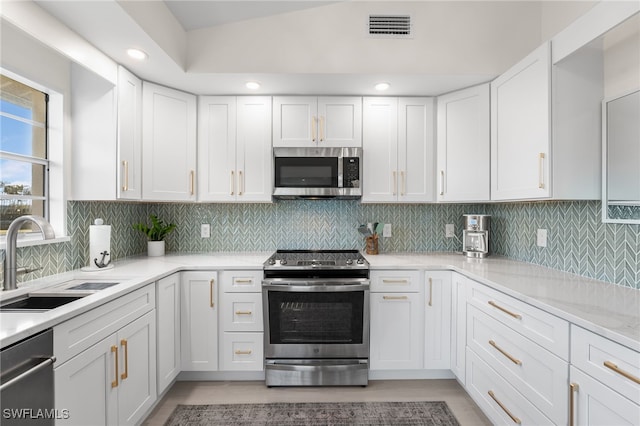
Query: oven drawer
395,281
242,312
241,281
242,352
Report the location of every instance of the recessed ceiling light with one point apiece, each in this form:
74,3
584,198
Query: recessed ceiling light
253,85
137,54
382,86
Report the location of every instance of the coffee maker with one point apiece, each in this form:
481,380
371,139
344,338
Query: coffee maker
475,235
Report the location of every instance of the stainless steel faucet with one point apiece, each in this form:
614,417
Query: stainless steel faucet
10,258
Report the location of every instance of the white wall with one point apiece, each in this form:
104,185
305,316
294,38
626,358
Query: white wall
622,59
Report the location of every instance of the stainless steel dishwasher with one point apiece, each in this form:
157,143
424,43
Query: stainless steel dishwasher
26,381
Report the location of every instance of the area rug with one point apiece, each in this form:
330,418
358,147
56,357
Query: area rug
307,413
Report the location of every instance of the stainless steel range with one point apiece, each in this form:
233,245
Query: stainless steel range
316,318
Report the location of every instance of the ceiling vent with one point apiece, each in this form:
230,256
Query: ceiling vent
390,26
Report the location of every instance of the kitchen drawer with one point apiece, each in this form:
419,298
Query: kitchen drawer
395,281
499,401
615,365
549,331
77,334
241,311
241,281
242,352
540,376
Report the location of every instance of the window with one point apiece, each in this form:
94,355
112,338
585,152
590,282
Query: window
24,164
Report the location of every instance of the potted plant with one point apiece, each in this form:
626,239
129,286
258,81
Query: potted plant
155,234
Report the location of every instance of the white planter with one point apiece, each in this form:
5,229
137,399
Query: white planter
155,248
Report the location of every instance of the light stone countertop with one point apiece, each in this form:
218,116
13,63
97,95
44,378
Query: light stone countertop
607,309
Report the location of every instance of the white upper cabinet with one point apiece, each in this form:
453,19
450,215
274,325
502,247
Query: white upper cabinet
129,136
309,121
463,145
398,150
168,144
520,129
234,149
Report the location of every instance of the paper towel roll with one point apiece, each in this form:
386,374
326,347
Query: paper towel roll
99,243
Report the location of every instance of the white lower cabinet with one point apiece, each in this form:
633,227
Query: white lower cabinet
168,328
437,320
113,381
397,321
459,285
241,345
199,321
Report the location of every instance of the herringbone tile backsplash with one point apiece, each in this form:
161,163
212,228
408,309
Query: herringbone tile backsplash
578,242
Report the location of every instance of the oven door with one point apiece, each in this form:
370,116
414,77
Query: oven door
316,318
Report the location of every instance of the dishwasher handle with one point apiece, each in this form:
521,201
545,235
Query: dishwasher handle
43,364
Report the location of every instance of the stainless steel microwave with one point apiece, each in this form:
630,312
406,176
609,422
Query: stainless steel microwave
316,173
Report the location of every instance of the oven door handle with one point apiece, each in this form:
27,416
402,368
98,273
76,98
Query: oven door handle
317,367
315,287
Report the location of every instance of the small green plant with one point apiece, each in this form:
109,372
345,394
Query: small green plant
158,229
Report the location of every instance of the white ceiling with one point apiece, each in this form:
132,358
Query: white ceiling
196,14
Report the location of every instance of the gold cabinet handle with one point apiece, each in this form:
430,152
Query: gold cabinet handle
243,280
244,313
623,373
211,284
430,291
322,128
125,165
125,345
393,281
240,182
514,418
395,297
233,183
506,311
395,183
505,353
404,183
441,182
192,182
314,125
541,170
239,352
114,384
573,388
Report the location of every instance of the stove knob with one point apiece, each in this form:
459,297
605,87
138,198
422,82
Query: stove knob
272,261
360,262
283,262
349,262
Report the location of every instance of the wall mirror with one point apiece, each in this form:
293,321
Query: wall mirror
621,123
621,158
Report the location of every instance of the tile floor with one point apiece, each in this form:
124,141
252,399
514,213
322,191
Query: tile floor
236,392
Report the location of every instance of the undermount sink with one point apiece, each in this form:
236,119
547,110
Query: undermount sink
37,303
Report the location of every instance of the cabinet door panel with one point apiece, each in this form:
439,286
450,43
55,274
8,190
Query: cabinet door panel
520,129
339,121
295,121
437,320
168,327
416,153
129,135
380,147
137,390
199,322
253,156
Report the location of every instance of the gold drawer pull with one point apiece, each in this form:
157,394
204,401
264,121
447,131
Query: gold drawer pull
395,297
623,373
243,280
114,384
506,311
503,352
211,284
239,352
125,345
244,312
192,183
573,388
541,170
430,291
514,418
394,281
125,165
233,183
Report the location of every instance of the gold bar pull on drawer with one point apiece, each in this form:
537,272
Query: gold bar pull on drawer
573,388
514,418
243,280
395,297
244,312
506,311
505,353
621,372
239,352
394,281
